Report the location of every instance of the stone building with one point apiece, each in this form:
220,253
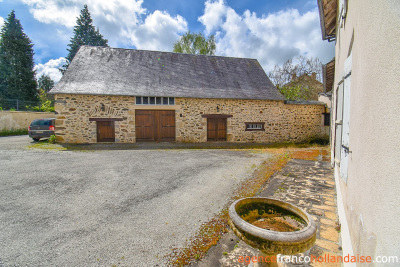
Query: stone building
124,95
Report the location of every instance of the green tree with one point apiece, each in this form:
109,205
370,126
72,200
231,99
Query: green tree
46,103
17,77
300,81
297,92
84,34
195,43
45,83
281,75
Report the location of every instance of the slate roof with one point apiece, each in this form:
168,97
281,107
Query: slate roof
115,71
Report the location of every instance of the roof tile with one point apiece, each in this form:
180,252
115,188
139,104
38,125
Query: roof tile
116,71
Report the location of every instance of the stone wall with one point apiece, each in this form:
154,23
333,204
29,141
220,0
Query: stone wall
13,120
283,122
74,111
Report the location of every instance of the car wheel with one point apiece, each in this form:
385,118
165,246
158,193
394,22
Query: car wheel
36,139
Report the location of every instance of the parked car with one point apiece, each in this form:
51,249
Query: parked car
42,128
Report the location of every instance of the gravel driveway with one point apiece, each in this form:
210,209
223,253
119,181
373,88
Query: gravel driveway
99,208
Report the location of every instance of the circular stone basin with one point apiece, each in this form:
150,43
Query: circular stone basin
272,226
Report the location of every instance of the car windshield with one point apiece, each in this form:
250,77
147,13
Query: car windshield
40,123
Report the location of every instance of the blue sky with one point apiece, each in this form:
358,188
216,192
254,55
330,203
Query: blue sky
268,30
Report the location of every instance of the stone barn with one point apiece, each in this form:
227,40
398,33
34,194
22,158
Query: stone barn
126,96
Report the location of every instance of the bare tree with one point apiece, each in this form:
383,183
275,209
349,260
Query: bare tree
282,75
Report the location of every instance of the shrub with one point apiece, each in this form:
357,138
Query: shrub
46,104
6,132
319,140
52,139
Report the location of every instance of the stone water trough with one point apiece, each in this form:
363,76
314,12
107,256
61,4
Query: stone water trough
272,226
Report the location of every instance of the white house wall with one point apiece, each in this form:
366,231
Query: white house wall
371,195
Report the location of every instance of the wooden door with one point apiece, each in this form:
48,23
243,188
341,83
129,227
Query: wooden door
145,125
105,131
216,129
166,123
155,125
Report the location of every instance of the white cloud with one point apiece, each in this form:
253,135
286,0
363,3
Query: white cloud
272,38
116,19
120,21
1,22
213,14
49,11
158,32
50,68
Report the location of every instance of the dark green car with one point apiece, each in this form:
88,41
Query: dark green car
42,128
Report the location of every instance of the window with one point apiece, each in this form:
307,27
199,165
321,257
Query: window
146,100
254,126
42,122
327,119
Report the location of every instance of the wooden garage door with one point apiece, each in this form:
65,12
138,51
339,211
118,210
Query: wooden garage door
105,131
155,125
216,129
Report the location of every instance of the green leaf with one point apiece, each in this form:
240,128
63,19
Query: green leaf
195,43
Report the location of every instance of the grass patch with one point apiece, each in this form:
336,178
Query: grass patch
13,132
46,146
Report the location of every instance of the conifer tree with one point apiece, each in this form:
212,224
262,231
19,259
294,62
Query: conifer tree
17,77
84,34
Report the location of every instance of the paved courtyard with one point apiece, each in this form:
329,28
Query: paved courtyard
109,207
307,184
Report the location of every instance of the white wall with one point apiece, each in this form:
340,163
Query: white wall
371,196
20,119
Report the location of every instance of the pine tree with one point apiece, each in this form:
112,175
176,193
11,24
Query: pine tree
17,77
84,34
